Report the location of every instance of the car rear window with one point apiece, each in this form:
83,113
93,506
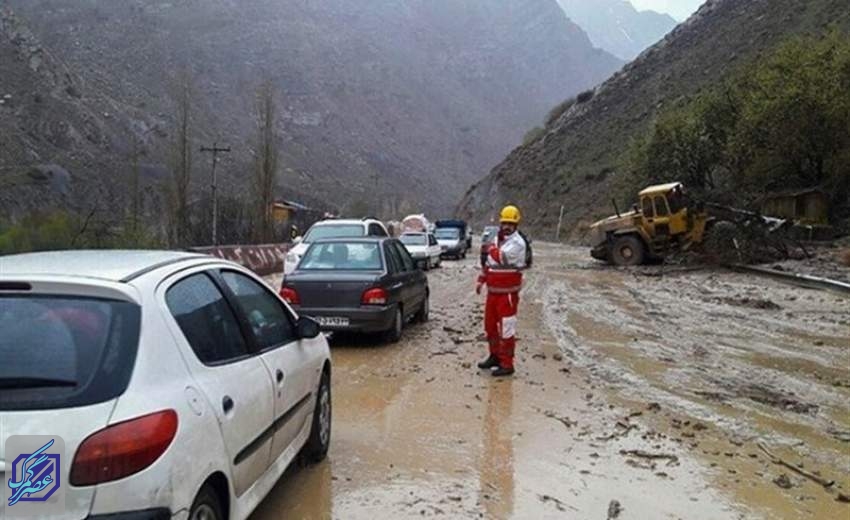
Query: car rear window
63,352
447,233
334,231
413,240
342,257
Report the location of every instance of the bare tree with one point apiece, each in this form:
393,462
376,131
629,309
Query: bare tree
181,162
265,172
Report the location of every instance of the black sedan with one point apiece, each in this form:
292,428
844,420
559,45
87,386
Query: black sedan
360,285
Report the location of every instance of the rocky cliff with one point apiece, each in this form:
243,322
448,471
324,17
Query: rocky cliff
616,26
398,104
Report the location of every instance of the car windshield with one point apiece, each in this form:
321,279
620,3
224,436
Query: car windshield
334,231
342,256
60,351
413,240
447,233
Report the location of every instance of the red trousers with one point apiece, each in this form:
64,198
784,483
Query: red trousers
500,326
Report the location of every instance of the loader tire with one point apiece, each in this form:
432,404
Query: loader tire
627,250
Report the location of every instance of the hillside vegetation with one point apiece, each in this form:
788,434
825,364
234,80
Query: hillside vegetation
590,149
781,123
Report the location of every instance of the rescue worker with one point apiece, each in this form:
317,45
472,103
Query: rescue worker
502,274
294,232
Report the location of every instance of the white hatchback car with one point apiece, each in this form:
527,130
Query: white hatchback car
181,384
424,248
332,228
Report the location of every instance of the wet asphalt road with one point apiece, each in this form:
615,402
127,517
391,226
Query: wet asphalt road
636,396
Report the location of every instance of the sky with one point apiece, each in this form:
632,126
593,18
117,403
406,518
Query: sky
678,9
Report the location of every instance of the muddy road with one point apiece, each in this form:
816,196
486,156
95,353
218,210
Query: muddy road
638,394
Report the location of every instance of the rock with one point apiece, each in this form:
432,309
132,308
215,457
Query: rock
614,509
783,481
558,356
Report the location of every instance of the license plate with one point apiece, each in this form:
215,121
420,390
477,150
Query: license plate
326,321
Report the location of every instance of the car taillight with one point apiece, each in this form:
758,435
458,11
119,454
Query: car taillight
123,449
290,295
376,296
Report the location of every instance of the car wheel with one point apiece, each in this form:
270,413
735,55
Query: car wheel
207,505
463,255
428,264
394,334
425,311
319,441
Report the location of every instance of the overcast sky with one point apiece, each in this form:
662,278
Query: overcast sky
678,9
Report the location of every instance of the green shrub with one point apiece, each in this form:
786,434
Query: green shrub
56,230
559,110
585,96
533,135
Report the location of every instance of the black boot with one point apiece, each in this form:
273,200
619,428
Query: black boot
490,362
502,372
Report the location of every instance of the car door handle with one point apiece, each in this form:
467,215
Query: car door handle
227,404
279,375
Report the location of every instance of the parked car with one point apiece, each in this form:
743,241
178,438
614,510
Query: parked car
488,237
424,249
359,284
182,385
452,242
465,232
333,228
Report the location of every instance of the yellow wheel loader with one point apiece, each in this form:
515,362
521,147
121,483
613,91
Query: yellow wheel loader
664,220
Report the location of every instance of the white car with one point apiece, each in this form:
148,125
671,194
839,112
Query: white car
333,228
424,249
181,385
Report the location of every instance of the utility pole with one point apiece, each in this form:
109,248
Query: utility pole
560,221
215,150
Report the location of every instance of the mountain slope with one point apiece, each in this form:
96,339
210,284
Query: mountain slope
574,163
616,26
48,129
381,100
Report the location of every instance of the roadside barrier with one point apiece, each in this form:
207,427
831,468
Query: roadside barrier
263,259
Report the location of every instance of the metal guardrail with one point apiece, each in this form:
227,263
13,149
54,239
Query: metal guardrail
802,280
263,259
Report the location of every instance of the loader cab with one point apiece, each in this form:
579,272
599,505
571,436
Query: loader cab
664,210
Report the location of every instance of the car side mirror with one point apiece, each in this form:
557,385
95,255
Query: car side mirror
307,328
